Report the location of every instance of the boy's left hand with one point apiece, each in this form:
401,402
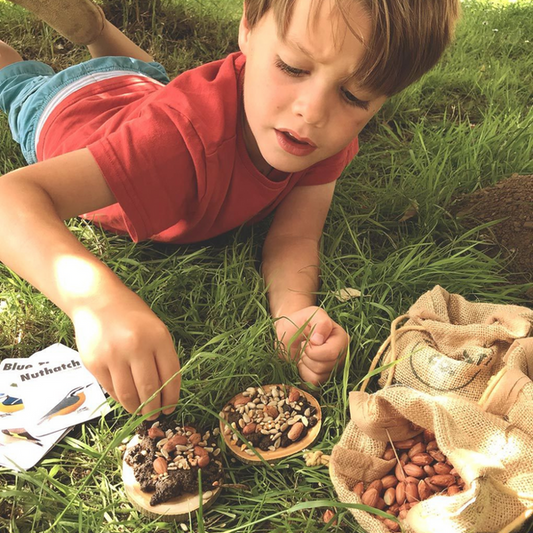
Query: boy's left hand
320,346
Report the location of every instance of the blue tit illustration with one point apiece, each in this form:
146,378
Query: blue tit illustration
11,436
10,404
74,399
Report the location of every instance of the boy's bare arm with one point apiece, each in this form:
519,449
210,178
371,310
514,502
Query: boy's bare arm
119,338
291,271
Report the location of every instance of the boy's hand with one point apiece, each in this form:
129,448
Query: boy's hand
129,351
320,346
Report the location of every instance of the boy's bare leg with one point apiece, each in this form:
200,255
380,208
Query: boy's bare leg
112,42
8,55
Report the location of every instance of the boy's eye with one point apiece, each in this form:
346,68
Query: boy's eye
353,100
291,71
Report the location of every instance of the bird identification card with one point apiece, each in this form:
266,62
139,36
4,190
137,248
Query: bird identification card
19,449
57,390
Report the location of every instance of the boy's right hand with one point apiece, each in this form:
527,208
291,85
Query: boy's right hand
129,351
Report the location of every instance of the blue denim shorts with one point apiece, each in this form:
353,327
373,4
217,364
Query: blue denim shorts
26,87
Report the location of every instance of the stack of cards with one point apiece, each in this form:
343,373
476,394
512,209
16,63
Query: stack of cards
41,399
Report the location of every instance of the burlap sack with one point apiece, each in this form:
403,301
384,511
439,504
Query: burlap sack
510,392
493,456
450,345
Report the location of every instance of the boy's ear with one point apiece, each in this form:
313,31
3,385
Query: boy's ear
244,32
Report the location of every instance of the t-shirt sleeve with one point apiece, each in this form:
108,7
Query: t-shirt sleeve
330,169
146,163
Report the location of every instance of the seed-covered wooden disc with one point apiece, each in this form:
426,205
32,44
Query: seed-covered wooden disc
176,509
271,456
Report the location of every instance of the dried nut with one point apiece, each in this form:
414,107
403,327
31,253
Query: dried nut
400,493
294,395
437,455
370,497
460,482
404,444
442,468
195,438
394,509
423,490
271,411
403,513
390,496
442,480
359,488
453,489
404,458
199,451
411,492
160,465
189,429
176,440
422,459
398,471
419,447
389,481
413,470
203,460
453,472
295,431
389,454
327,517
429,470
377,484
249,428
393,526
380,504
434,488
155,433
432,445
240,400
428,435
411,479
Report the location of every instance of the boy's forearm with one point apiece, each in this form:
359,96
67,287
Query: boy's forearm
291,273
36,244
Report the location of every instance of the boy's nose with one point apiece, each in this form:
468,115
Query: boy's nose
312,106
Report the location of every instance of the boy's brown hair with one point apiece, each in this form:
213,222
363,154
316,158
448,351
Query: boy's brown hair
407,36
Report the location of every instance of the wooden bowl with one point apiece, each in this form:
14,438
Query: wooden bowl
177,509
272,457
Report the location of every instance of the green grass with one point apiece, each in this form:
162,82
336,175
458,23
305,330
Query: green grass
466,125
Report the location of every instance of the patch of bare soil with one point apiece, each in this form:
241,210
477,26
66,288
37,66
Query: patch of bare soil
511,202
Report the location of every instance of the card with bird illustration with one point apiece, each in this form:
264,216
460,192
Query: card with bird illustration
58,391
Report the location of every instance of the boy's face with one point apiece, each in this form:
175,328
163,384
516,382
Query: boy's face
301,104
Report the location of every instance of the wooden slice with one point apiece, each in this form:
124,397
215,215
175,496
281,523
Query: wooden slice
177,509
272,457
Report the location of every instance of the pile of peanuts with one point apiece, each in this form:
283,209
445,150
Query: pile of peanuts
422,471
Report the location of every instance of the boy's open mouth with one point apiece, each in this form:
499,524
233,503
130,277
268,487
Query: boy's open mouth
293,144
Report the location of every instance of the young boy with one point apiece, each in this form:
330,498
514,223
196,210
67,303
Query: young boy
270,127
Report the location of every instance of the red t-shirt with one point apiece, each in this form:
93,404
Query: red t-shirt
174,155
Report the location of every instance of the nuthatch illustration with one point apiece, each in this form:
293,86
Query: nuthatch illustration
10,404
10,436
74,399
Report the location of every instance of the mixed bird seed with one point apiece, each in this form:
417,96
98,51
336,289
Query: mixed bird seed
269,419
167,459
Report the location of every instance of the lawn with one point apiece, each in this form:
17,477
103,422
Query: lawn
464,126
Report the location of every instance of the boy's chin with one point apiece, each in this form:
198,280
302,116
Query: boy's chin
289,166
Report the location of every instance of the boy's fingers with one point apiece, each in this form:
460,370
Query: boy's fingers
147,382
104,379
333,349
312,377
124,387
168,366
